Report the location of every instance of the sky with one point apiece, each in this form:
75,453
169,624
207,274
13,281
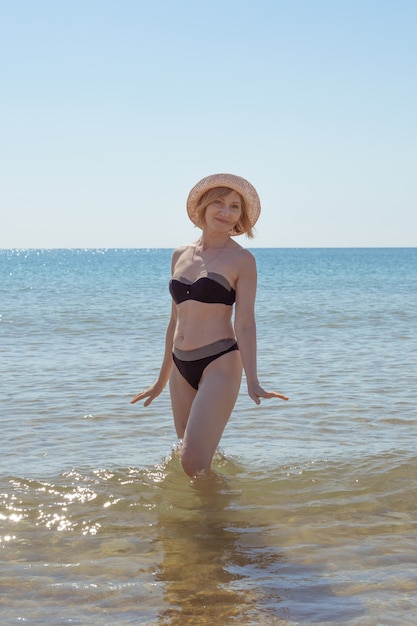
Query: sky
112,110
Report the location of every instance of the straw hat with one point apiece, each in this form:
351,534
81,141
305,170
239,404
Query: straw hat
242,186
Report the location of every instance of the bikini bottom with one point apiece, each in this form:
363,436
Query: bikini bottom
192,363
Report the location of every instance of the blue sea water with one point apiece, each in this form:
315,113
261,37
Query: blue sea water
314,520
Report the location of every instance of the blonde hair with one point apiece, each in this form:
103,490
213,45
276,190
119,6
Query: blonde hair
209,196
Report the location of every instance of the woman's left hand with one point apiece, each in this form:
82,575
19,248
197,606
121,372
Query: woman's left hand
256,392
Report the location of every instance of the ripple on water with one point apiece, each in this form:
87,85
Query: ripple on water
306,541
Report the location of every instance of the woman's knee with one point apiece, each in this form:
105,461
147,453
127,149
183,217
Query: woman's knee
193,462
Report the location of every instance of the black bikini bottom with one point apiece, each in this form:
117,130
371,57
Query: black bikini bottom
192,363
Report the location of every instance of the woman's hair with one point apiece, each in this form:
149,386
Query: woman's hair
243,225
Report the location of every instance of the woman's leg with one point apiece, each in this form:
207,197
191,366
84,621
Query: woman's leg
210,411
182,396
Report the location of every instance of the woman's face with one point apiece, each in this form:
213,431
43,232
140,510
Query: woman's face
224,213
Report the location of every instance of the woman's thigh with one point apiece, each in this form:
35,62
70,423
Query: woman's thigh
212,406
182,396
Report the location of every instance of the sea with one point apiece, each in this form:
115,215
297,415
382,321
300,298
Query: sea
311,514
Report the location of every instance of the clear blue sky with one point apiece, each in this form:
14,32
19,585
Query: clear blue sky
112,110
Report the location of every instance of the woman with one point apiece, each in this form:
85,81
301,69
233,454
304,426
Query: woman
204,350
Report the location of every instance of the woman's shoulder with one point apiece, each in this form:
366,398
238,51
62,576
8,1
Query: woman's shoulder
184,250
243,262
181,249
245,257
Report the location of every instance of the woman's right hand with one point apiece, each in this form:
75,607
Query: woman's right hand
151,393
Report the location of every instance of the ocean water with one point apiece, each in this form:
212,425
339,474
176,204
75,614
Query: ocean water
312,519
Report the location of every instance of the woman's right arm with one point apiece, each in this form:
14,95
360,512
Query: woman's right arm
154,390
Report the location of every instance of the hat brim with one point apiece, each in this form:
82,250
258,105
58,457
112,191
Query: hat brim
241,185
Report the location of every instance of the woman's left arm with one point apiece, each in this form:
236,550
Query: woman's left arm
245,328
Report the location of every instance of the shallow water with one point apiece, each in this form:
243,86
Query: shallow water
311,518
316,543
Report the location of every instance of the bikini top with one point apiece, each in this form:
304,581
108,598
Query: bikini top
212,289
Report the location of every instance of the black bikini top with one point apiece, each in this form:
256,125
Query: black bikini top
212,289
